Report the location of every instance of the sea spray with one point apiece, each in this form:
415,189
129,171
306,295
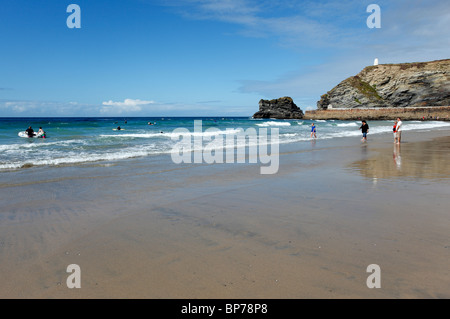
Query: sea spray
238,146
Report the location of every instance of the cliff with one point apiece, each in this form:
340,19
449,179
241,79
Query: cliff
282,108
391,86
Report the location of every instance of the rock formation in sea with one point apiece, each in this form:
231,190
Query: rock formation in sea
282,108
393,85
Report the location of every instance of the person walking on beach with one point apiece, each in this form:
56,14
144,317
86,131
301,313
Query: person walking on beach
313,131
364,129
399,130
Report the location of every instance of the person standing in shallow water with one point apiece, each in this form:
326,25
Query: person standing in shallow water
41,133
29,131
399,130
395,132
364,129
313,130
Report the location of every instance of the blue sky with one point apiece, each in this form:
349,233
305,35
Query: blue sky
199,57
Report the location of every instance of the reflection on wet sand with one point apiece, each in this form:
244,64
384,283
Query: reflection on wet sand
397,156
424,160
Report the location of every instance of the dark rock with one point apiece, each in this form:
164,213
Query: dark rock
282,108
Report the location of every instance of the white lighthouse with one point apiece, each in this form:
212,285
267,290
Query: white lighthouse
375,62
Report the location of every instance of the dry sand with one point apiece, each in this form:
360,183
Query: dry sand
147,228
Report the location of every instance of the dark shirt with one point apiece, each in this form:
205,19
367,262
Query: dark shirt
364,128
30,132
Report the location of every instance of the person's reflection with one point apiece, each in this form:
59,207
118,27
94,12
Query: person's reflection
364,150
397,156
313,142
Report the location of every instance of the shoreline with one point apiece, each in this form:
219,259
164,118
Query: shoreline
141,230
118,154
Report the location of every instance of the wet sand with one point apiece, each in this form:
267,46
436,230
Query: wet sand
148,228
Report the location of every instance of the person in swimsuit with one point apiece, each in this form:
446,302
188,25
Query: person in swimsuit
313,130
394,129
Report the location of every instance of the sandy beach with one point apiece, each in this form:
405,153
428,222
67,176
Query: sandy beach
149,228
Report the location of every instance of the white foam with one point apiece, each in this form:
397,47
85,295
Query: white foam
137,135
174,134
78,158
38,144
274,123
288,135
407,126
346,124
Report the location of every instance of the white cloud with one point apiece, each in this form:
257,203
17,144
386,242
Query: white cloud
108,108
128,102
285,20
128,105
20,106
46,108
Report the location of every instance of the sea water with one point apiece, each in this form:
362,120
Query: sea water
73,141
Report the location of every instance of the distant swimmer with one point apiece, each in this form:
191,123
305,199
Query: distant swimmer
29,131
119,128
